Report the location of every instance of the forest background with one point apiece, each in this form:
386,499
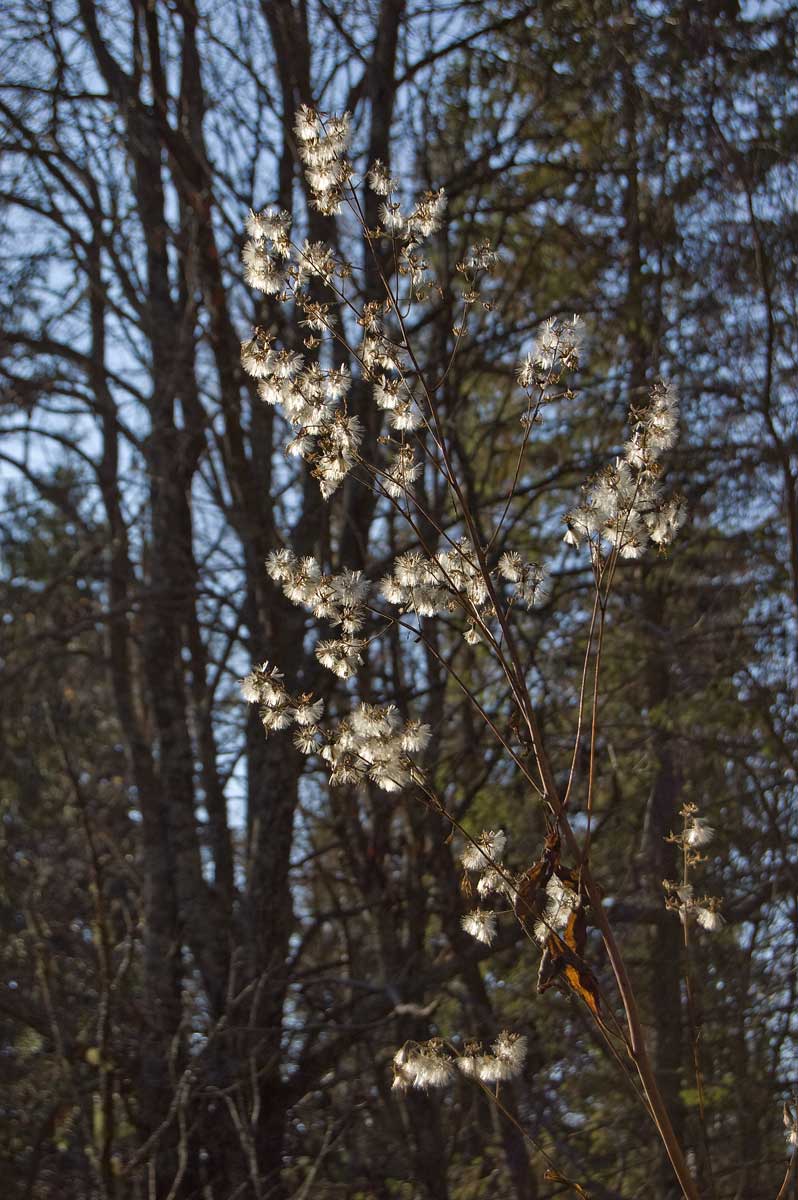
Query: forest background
209,957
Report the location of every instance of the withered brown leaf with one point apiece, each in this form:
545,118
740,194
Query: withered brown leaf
562,962
553,1176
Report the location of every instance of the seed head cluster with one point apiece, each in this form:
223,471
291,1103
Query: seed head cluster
432,1064
680,895
484,856
338,599
372,743
624,507
325,405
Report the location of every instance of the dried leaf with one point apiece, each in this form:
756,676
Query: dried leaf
530,897
562,962
582,981
575,934
568,878
553,1176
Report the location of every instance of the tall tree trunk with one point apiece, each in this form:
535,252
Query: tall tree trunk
660,857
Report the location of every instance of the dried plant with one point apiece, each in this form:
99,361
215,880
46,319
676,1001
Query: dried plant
351,342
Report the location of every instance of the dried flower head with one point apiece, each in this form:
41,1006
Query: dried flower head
486,851
698,833
422,1065
481,924
708,916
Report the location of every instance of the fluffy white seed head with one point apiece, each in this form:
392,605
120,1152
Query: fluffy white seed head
481,924
698,833
709,918
489,849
